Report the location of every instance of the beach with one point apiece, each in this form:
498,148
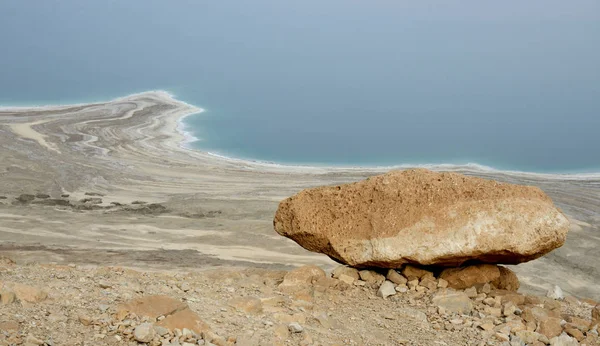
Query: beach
155,204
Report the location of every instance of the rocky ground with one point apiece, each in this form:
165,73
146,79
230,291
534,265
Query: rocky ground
49,304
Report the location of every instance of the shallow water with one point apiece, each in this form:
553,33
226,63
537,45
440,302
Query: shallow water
513,86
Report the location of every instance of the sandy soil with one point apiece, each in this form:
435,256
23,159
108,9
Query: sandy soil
200,211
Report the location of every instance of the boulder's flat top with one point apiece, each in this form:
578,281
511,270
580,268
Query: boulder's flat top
420,193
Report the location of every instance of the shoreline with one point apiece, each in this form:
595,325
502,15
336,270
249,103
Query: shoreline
188,138
212,210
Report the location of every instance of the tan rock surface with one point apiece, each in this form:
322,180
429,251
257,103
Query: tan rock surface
508,280
465,277
151,306
424,217
185,318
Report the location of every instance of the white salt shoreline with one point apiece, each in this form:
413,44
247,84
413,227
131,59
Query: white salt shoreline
188,110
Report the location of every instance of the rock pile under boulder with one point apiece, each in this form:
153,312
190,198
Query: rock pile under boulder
423,217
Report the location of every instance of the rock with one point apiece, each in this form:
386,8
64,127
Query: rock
42,196
29,294
161,331
396,277
185,318
64,195
94,194
549,327
465,277
144,332
509,309
372,277
471,292
386,289
442,283
247,304
85,320
508,280
299,278
578,323
412,284
415,273
347,279
414,314
555,293
596,315
151,307
563,340
487,326
9,326
575,333
7,297
344,270
528,337
457,302
32,340
104,284
423,217
429,283
295,328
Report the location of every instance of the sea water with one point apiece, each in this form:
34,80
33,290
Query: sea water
513,85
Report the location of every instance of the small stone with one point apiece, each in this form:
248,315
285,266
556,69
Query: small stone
489,301
185,287
386,289
563,340
247,304
345,270
396,277
7,297
487,326
412,272
346,278
429,283
509,309
295,327
401,289
528,337
442,283
576,333
456,302
471,292
572,300
486,288
29,294
596,315
502,337
412,284
371,277
144,332
85,320
161,331
549,327
555,293
104,284
32,340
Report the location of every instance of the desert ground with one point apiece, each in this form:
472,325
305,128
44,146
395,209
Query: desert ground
110,184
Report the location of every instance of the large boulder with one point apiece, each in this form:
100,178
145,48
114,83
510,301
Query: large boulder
423,217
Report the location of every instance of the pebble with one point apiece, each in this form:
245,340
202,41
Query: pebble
386,289
144,332
555,293
295,327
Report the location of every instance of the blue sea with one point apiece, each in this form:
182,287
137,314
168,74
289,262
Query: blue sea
513,85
